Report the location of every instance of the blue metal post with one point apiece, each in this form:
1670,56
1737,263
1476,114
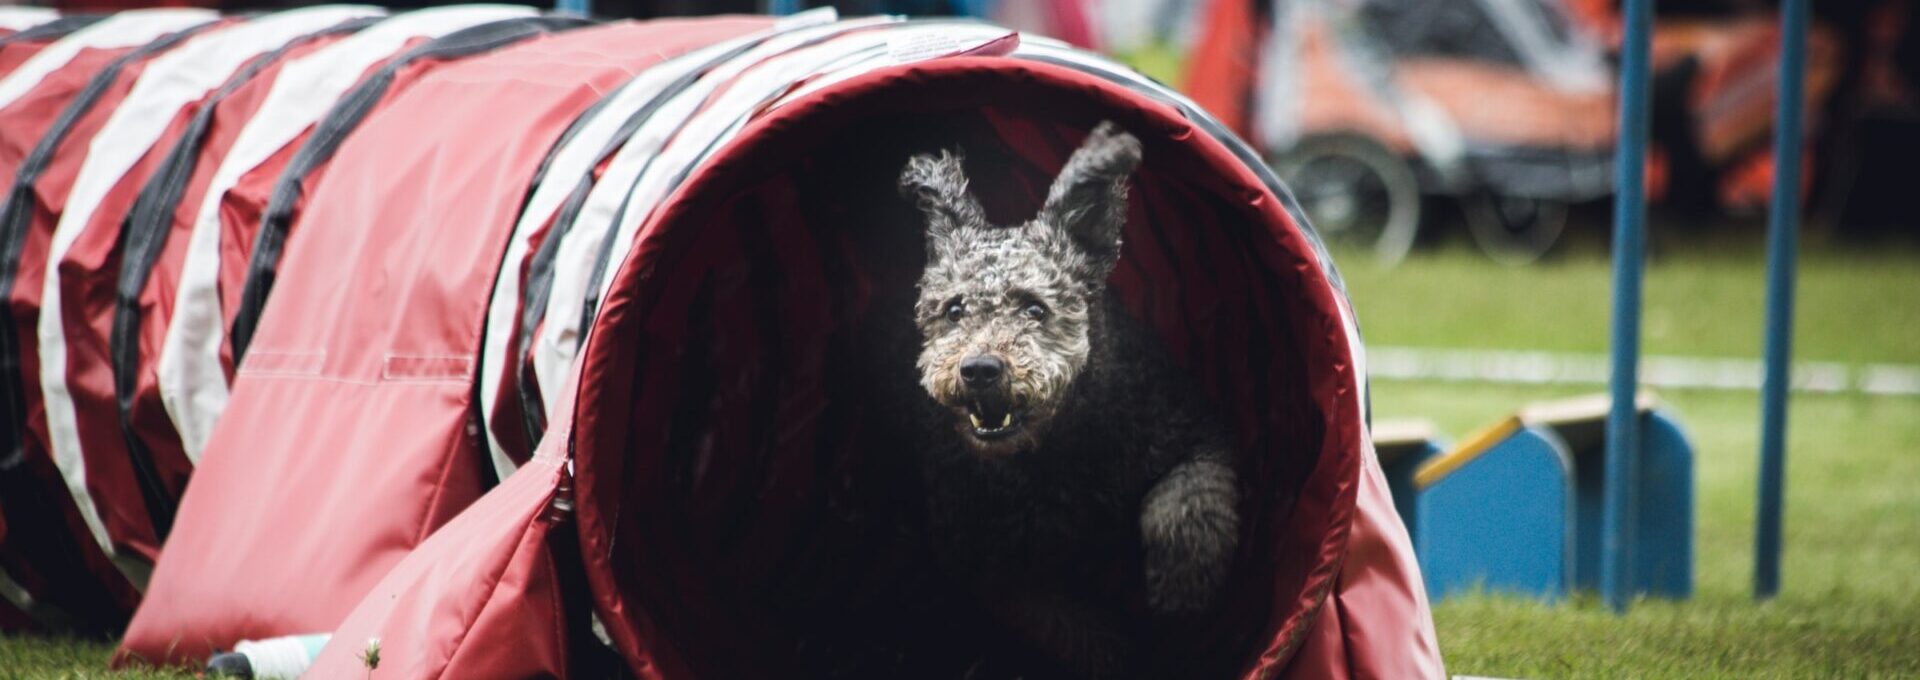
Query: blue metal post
581,7
1629,218
1783,229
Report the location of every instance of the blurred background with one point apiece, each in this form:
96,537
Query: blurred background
1413,124
1458,157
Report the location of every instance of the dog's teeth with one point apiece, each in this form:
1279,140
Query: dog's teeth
976,421
1007,421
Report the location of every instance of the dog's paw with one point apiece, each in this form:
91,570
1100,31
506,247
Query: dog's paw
1189,526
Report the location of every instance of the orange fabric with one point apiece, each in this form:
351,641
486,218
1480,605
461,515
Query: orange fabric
1506,106
1335,99
1220,72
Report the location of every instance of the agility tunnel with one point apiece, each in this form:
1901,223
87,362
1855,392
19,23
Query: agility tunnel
501,337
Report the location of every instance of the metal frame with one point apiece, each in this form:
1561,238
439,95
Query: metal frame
1783,231
1629,235
1628,255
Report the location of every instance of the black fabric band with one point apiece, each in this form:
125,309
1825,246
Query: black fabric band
143,235
16,218
35,514
540,269
52,30
340,120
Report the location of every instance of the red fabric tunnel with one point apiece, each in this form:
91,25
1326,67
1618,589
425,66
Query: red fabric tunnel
726,472
696,322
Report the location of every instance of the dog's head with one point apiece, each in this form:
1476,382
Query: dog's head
1004,311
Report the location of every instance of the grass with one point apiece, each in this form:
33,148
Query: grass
1850,602
1854,305
69,659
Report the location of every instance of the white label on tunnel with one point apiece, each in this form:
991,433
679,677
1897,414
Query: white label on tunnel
919,45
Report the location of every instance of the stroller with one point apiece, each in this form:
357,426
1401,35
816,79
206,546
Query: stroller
1367,106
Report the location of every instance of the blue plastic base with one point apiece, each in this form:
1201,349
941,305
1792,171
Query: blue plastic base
1662,550
1499,522
1519,508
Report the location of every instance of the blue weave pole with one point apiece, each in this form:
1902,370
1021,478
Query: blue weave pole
1783,231
978,9
1618,516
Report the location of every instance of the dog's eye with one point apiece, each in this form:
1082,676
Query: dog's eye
1035,311
955,310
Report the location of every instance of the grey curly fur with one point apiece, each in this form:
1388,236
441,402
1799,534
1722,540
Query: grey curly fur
1118,486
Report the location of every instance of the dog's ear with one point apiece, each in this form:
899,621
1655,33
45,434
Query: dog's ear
937,184
1089,199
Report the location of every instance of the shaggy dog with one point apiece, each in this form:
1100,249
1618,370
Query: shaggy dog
1072,472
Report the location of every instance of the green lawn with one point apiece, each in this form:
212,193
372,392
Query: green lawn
69,659
1850,603
1854,305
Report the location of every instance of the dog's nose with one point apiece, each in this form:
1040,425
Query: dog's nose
982,371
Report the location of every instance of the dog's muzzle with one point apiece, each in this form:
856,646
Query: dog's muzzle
989,404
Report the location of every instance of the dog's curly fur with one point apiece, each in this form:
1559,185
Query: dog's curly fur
1089,475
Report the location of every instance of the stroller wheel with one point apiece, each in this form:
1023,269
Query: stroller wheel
1514,230
1358,194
